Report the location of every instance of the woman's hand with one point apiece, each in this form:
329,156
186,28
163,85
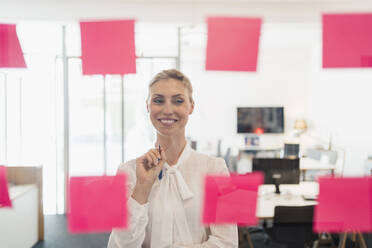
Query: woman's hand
148,167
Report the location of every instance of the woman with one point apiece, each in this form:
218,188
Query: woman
166,183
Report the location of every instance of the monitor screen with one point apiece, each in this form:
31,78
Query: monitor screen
278,170
260,120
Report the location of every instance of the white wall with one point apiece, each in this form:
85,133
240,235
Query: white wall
339,103
281,80
334,102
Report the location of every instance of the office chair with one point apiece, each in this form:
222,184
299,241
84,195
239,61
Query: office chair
293,225
291,150
231,161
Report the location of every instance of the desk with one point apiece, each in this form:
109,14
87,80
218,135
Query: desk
21,176
19,224
292,195
268,200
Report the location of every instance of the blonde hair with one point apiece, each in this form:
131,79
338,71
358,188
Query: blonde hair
173,74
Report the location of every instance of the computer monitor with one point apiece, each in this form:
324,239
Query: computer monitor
278,170
260,120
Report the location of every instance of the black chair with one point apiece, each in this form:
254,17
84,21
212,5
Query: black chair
293,225
291,150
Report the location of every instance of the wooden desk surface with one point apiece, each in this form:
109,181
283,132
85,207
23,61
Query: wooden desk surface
292,195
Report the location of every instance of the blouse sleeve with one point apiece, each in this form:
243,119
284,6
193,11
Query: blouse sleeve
134,235
221,236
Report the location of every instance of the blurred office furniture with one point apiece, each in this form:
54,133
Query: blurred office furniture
322,154
246,154
227,155
295,195
291,150
262,152
23,225
368,166
318,162
244,237
278,170
293,225
355,239
194,145
315,168
292,195
230,160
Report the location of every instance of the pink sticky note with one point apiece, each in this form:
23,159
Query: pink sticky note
233,43
4,193
347,40
344,204
107,47
11,55
97,204
231,199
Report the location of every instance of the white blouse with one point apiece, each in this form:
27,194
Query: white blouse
172,216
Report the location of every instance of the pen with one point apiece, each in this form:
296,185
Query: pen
161,172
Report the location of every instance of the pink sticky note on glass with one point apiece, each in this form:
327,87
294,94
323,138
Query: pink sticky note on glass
11,55
231,199
344,204
97,204
4,193
347,40
107,47
233,43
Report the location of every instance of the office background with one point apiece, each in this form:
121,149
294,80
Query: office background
334,102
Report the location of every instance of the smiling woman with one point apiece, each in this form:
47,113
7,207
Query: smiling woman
169,104
166,183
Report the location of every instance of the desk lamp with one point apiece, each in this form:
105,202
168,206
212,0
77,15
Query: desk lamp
300,127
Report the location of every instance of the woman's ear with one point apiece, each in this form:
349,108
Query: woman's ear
192,107
147,106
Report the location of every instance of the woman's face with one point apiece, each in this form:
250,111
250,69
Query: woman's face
169,106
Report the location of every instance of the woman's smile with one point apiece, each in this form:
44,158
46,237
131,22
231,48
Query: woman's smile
167,122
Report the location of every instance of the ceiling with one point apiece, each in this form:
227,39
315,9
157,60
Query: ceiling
177,10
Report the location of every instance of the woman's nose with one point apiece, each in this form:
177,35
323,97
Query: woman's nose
168,108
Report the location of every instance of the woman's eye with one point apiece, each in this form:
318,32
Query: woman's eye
158,100
179,100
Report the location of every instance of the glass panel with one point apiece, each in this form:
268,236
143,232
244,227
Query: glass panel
86,122
33,105
3,127
13,113
113,123
156,39
139,133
